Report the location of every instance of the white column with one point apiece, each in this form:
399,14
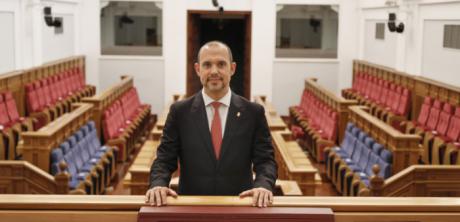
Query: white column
174,47
263,47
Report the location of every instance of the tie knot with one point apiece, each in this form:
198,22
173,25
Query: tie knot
216,105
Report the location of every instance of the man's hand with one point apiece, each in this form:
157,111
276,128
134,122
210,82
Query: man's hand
261,197
157,195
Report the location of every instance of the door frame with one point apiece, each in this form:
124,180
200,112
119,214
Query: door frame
193,46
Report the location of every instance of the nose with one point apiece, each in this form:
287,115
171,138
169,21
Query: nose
214,69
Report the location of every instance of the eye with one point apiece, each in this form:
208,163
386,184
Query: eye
221,64
206,65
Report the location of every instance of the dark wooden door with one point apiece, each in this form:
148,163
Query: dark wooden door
233,28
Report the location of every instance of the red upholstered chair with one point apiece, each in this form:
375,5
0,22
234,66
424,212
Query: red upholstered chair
8,145
440,130
34,109
422,116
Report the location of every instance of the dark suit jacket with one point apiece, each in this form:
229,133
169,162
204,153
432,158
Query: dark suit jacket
246,146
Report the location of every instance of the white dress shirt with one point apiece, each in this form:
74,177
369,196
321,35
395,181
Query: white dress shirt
223,108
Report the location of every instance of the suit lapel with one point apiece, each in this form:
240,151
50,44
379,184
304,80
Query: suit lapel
201,120
232,123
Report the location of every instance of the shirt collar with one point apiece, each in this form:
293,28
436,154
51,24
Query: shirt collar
224,100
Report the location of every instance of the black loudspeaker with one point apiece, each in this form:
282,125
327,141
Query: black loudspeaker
392,24
49,20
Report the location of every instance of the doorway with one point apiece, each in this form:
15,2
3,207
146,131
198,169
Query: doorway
232,28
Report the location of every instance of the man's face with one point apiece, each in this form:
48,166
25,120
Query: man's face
215,69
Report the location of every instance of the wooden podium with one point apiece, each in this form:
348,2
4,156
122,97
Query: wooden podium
234,214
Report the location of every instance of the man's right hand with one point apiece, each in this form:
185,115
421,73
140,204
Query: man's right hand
157,195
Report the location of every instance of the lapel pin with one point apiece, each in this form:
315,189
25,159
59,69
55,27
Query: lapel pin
238,114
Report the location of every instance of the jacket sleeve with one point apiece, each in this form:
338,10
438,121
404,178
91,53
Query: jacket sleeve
167,153
263,159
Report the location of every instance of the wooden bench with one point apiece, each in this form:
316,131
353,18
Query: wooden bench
273,119
293,163
157,130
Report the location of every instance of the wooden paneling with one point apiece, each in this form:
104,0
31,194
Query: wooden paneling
421,181
21,177
418,85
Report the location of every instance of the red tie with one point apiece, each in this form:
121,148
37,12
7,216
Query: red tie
216,130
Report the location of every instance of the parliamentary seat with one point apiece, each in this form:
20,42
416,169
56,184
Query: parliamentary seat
11,126
90,165
444,147
349,166
50,97
125,122
440,130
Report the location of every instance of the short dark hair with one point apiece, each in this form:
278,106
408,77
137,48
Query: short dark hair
215,43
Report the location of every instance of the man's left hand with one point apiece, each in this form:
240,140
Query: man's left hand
261,197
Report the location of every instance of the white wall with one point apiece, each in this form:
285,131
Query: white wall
57,46
380,51
34,43
148,73
265,69
418,51
7,52
435,65
289,76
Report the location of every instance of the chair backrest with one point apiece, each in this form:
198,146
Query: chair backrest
453,131
424,111
33,105
40,94
396,99
433,118
444,119
384,92
391,95
4,119
377,148
56,156
404,103
11,106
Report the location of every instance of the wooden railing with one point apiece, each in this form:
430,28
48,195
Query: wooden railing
337,103
15,81
383,72
106,98
27,208
293,163
37,146
273,119
419,181
157,130
21,177
404,147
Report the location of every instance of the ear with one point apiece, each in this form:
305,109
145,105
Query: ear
233,68
197,68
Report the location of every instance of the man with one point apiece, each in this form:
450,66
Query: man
218,137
